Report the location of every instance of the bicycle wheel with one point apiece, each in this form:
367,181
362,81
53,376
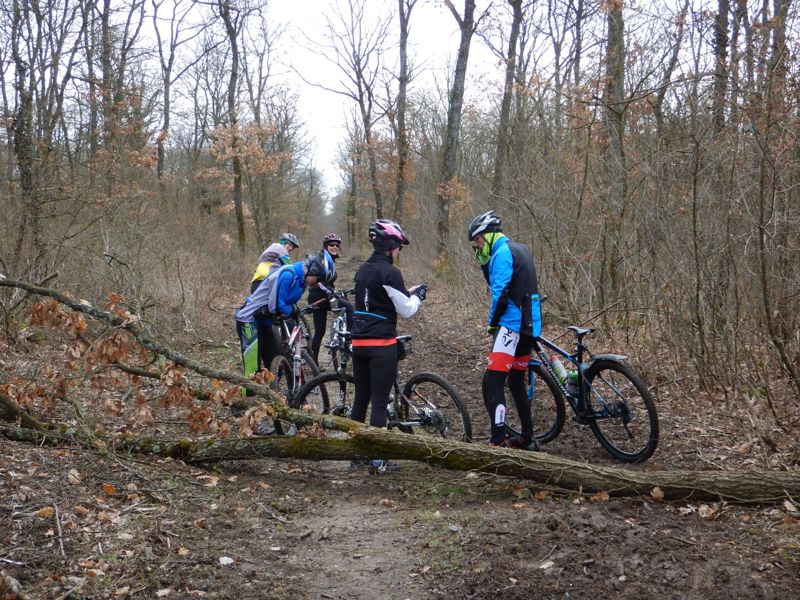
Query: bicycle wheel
547,405
284,382
306,326
432,405
624,420
327,392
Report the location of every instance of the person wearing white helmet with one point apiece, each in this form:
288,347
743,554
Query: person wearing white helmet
514,321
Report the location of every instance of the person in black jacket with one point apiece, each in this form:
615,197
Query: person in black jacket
380,296
332,243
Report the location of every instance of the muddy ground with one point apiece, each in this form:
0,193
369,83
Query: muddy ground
82,524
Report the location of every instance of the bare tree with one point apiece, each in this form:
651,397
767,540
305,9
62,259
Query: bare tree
404,8
357,50
447,179
503,133
178,34
614,102
234,18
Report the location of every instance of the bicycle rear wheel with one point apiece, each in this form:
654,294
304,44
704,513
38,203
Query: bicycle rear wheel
327,392
434,407
625,420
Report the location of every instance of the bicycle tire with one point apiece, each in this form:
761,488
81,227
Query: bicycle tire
445,413
316,394
306,326
625,420
281,368
547,407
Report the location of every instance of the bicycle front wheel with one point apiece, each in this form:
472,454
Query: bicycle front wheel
430,404
286,381
328,392
623,413
547,405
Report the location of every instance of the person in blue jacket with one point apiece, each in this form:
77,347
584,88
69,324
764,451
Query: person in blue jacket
514,321
277,294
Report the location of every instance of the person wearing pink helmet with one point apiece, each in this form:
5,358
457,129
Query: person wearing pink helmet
380,296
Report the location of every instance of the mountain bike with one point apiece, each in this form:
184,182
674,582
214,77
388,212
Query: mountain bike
294,366
606,395
426,403
340,342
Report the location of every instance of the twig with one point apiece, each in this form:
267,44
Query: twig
60,534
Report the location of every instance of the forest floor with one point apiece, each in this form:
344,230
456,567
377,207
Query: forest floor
76,523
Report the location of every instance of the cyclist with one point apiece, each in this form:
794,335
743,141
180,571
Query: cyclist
513,322
331,244
380,296
277,294
276,255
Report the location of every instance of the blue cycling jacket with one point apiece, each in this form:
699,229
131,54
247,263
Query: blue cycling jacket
511,276
277,293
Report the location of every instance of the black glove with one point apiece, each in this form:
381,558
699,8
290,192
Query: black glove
295,311
421,292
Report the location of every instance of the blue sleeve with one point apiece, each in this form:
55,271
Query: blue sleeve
285,282
501,268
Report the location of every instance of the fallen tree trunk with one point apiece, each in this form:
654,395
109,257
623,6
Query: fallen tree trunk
751,487
362,442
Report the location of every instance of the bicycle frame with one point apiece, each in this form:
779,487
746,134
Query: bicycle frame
292,339
579,404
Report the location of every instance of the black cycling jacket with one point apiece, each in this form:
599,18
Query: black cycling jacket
381,295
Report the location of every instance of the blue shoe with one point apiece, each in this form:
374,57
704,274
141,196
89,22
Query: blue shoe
381,467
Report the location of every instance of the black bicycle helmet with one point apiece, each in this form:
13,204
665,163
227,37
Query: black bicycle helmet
321,265
289,238
386,230
484,223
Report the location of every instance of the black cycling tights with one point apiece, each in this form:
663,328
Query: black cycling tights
494,395
374,370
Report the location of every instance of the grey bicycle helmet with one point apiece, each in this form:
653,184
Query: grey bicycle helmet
289,238
484,223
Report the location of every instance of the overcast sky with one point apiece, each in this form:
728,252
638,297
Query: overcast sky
433,43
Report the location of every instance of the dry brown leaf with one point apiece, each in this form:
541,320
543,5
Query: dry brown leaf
200,523
109,489
657,494
45,512
600,497
387,502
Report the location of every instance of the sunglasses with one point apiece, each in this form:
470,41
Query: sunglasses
337,244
